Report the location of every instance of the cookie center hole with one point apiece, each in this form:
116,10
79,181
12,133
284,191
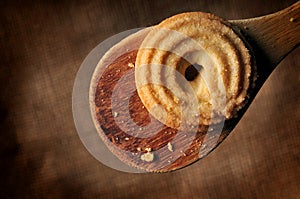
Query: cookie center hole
192,71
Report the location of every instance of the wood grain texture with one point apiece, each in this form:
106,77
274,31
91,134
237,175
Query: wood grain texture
275,34
41,156
129,148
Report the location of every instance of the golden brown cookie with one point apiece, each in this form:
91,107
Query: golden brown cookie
192,69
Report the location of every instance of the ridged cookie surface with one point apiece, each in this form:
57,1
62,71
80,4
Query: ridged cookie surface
192,69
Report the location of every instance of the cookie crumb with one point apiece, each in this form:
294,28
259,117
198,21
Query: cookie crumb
127,138
292,19
170,147
148,149
139,149
116,114
131,65
183,153
148,157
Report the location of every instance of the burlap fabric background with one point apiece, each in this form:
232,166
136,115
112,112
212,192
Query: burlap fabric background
42,46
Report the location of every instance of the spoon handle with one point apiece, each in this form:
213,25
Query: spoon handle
273,35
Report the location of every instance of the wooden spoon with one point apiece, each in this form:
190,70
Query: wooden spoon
271,38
